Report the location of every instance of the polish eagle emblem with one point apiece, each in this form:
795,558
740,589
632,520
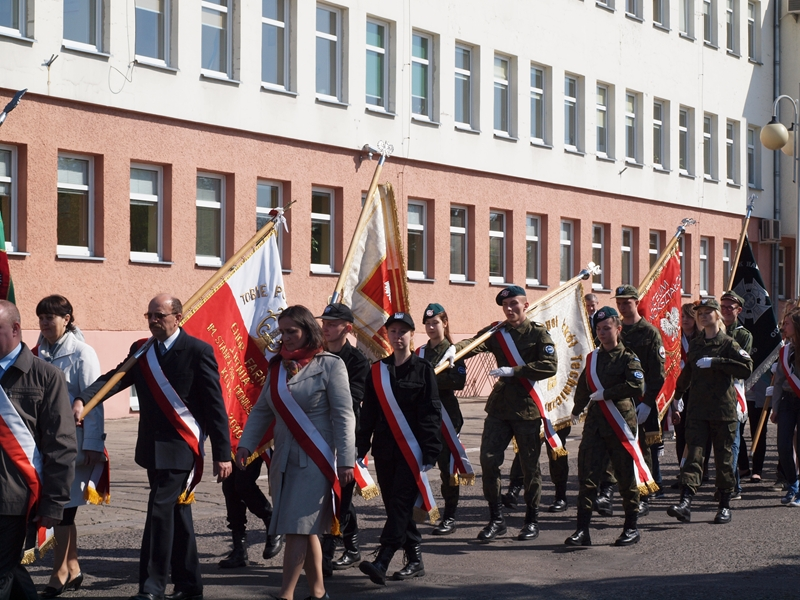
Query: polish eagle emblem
671,323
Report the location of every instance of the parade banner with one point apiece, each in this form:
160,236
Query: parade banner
239,318
660,304
375,285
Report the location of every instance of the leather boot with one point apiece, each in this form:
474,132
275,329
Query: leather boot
376,570
351,554
630,533
238,556
581,536
604,502
496,526
683,510
530,531
560,503
413,566
328,550
273,546
644,506
724,513
511,498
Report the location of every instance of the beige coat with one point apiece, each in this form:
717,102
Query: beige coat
300,492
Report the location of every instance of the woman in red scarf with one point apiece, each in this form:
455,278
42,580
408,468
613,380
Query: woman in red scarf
308,396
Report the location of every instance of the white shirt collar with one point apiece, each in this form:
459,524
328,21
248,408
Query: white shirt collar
171,339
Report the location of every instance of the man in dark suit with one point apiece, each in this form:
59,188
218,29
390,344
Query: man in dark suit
191,373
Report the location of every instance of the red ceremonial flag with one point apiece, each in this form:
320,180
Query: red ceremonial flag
660,304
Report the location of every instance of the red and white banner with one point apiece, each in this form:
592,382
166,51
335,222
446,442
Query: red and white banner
375,286
240,321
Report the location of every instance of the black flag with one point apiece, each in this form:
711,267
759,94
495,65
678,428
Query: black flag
757,315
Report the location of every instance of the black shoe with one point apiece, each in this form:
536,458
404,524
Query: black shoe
413,567
558,506
603,504
179,595
347,560
683,510
529,531
71,584
496,526
723,516
644,508
273,546
511,498
376,570
581,537
325,597
628,537
446,527
146,596
238,555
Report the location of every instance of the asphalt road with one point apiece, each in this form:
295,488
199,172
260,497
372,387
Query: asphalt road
755,556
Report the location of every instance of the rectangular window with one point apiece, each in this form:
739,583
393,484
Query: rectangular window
681,255
753,158
217,39
709,154
687,17
731,151
75,205
210,222
269,195
571,112
497,247
704,275
654,250
731,27
633,8
146,203
537,105
661,13
532,250
8,204
152,31
83,24
502,95
275,43
709,22
463,89
598,235
329,59
13,17
322,204
377,63
421,75
727,256
781,272
753,19
685,141
631,127
458,243
627,256
602,120
566,250
417,250
659,137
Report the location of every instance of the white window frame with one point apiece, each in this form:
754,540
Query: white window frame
660,135
598,255
466,75
654,246
661,13
732,152
227,10
633,8
337,38
212,261
571,103
533,239
605,3
781,272
626,251
709,147
753,30
732,26
330,218
632,128
285,25
13,204
727,255
538,98
710,22
98,33
568,244
705,250
64,250
158,200
687,18
427,64
502,236
23,21
502,85
462,231
386,62
753,158
422,229
264,212
685,141
601,108
150,60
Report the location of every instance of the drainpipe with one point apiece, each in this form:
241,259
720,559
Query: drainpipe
776,181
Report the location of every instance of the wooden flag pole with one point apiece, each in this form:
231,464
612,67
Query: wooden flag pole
198,295
648,279
759,429
742,235
590,270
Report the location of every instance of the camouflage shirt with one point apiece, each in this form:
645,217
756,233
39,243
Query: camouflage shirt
644,340
448,380
620,374
742,336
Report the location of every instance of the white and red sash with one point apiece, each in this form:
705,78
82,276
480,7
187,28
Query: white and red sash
366,485
178,414
784,357
303,430
426,505
644,480
515,359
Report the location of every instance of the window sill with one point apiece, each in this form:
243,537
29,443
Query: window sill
687,37
634,17
733,184
756,62
604,158
207,265
462,282
537,286
501,284
420,120
755,188
601,289
77,257
379,112
709,179
18,37
660,170
88,51
574,151
221,77
154,263
734,54
421,279
661,27
324,273
686,175
467,129
330,101
605,6
17,254
711,45
143,61
277,90
541,144
632,163
505,136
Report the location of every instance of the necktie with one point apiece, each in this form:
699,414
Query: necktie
162,347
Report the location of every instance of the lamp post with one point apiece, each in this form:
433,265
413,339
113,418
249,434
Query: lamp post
775,136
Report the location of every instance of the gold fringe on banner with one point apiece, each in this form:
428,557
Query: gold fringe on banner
335,529
459,479
552,454
653,437
184,499
369,492
28,557
92,497
514,443
48,545
423,516
652,487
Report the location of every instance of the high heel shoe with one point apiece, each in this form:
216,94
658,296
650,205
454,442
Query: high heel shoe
74,583
71,584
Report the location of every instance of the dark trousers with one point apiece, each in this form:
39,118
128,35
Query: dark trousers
559,466
760,451
699,432
788,422
349,524
450,492
496,437
15,582
399,493
168,541
241,493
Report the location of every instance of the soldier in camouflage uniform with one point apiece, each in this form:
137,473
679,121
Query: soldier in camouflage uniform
621,380
714,360
512,413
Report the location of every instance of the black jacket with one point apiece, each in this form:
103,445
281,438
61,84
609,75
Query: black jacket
357,365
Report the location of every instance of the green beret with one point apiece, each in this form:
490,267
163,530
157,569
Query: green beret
509,292
431,311
605,313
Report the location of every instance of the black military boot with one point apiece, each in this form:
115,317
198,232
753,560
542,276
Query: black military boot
683,510
351,554
604,502
413,566
560,503
630,534
496,526
724,513
448,522
273,546
376,570
581,536
644,506
238,556
511,498
328,550
530,531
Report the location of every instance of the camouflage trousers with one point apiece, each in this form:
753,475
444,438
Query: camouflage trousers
609,477
559,466
497,434
722,435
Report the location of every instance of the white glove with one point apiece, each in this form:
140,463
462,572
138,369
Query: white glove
576,419
642,412
502,372
449,357
774,367
426,468
770,391
679,405
704,363
596,396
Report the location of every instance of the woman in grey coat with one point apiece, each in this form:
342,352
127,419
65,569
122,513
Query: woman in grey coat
317,382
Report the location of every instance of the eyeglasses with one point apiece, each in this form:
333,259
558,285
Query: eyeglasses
157,315
728,307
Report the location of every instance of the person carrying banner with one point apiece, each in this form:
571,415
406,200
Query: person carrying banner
337,324
400,422
307,396
525,354
37,450
63,346
609,384
180,402
712,364
437,326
